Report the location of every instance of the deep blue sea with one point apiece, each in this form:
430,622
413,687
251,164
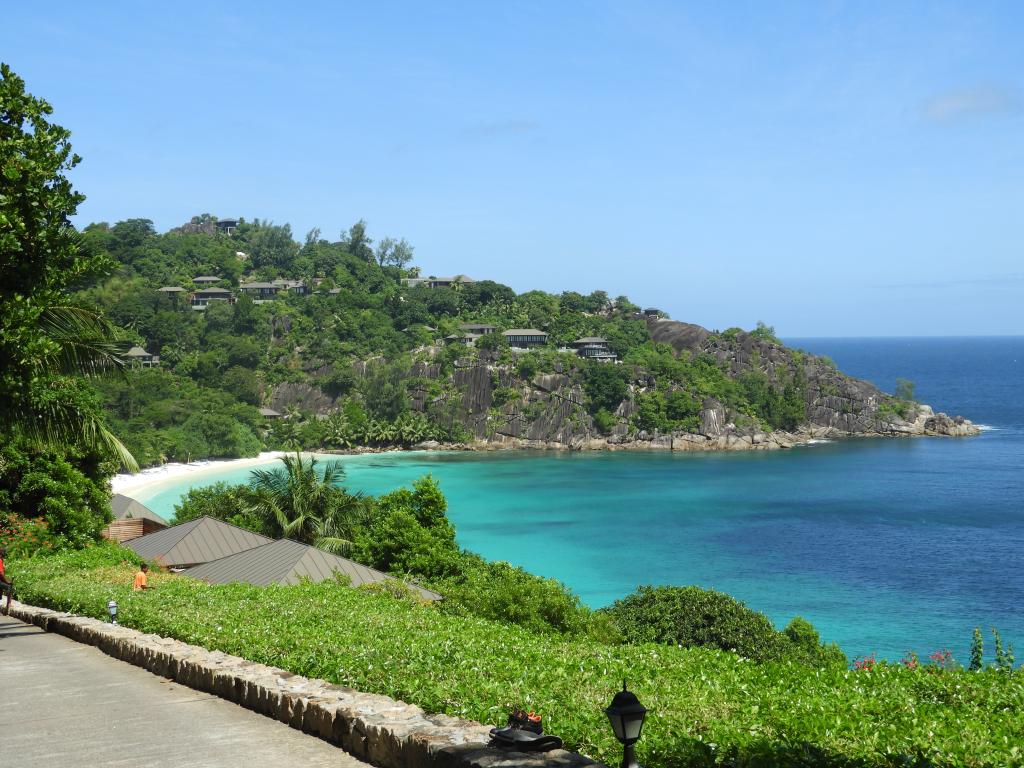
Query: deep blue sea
885,545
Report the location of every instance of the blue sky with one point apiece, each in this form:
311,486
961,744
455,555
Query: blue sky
829,168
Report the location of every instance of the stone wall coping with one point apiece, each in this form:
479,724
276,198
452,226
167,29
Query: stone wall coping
369,726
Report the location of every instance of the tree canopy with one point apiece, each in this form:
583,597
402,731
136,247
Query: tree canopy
45,337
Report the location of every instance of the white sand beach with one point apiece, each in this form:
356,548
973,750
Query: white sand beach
130,485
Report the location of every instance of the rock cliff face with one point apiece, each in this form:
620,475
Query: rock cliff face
549,410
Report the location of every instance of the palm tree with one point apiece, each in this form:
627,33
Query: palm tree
77,341
308,505
337,431
44,341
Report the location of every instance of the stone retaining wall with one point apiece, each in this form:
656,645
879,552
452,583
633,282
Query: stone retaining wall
380,730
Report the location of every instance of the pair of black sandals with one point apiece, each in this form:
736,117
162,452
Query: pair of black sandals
524,733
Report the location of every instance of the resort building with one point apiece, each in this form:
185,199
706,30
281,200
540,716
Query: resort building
288,562
270,413
195,542
227,226
478,329
594,348
205,281
468,339
139,356
220,553
294,286
173,291
436,282
201,299
524,338
260,292
131,520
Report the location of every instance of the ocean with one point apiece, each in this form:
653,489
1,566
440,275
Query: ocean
885,545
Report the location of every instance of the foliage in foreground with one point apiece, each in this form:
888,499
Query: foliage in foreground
66,486
46,339
706,707
405,532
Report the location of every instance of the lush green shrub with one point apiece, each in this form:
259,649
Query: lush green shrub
503,395
26,537
66,486
606,386
527,366
604,421
691,616
706,707
511,595
805,645
231,503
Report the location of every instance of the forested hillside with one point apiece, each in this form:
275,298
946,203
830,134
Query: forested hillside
345,343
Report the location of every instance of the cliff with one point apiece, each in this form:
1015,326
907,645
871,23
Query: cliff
550,408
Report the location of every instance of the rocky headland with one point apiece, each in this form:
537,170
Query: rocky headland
548,410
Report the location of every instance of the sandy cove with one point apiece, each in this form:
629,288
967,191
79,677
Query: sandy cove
153,476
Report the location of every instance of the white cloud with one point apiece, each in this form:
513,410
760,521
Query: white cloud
980,100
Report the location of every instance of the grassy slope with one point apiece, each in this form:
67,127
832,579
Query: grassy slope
706,707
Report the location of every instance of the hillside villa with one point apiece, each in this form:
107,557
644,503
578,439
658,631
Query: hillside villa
524,338
436,282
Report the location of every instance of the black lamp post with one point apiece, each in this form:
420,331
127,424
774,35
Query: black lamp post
626,715
112,610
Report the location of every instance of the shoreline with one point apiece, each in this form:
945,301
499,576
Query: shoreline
144,480
148,479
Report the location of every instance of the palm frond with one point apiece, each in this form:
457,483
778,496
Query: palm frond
55,422
333,544
86,341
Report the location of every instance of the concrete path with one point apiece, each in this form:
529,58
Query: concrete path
66,705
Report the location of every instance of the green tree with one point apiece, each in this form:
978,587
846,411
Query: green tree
308,505
358,243
393,253
269,245
905,389
44,337
605,385
232,504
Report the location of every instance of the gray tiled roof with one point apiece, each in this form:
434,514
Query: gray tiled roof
523,332
125,507
194,542
213,292
591,340
246,286
286,562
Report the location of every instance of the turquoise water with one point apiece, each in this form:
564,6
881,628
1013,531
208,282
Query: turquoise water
885,545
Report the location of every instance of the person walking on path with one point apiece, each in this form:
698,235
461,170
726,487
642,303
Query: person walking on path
141,579
6,585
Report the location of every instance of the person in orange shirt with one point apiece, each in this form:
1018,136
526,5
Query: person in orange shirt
141,580
5,585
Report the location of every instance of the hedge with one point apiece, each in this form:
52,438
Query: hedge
706,707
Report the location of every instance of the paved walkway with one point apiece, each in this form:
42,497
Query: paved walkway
65,705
